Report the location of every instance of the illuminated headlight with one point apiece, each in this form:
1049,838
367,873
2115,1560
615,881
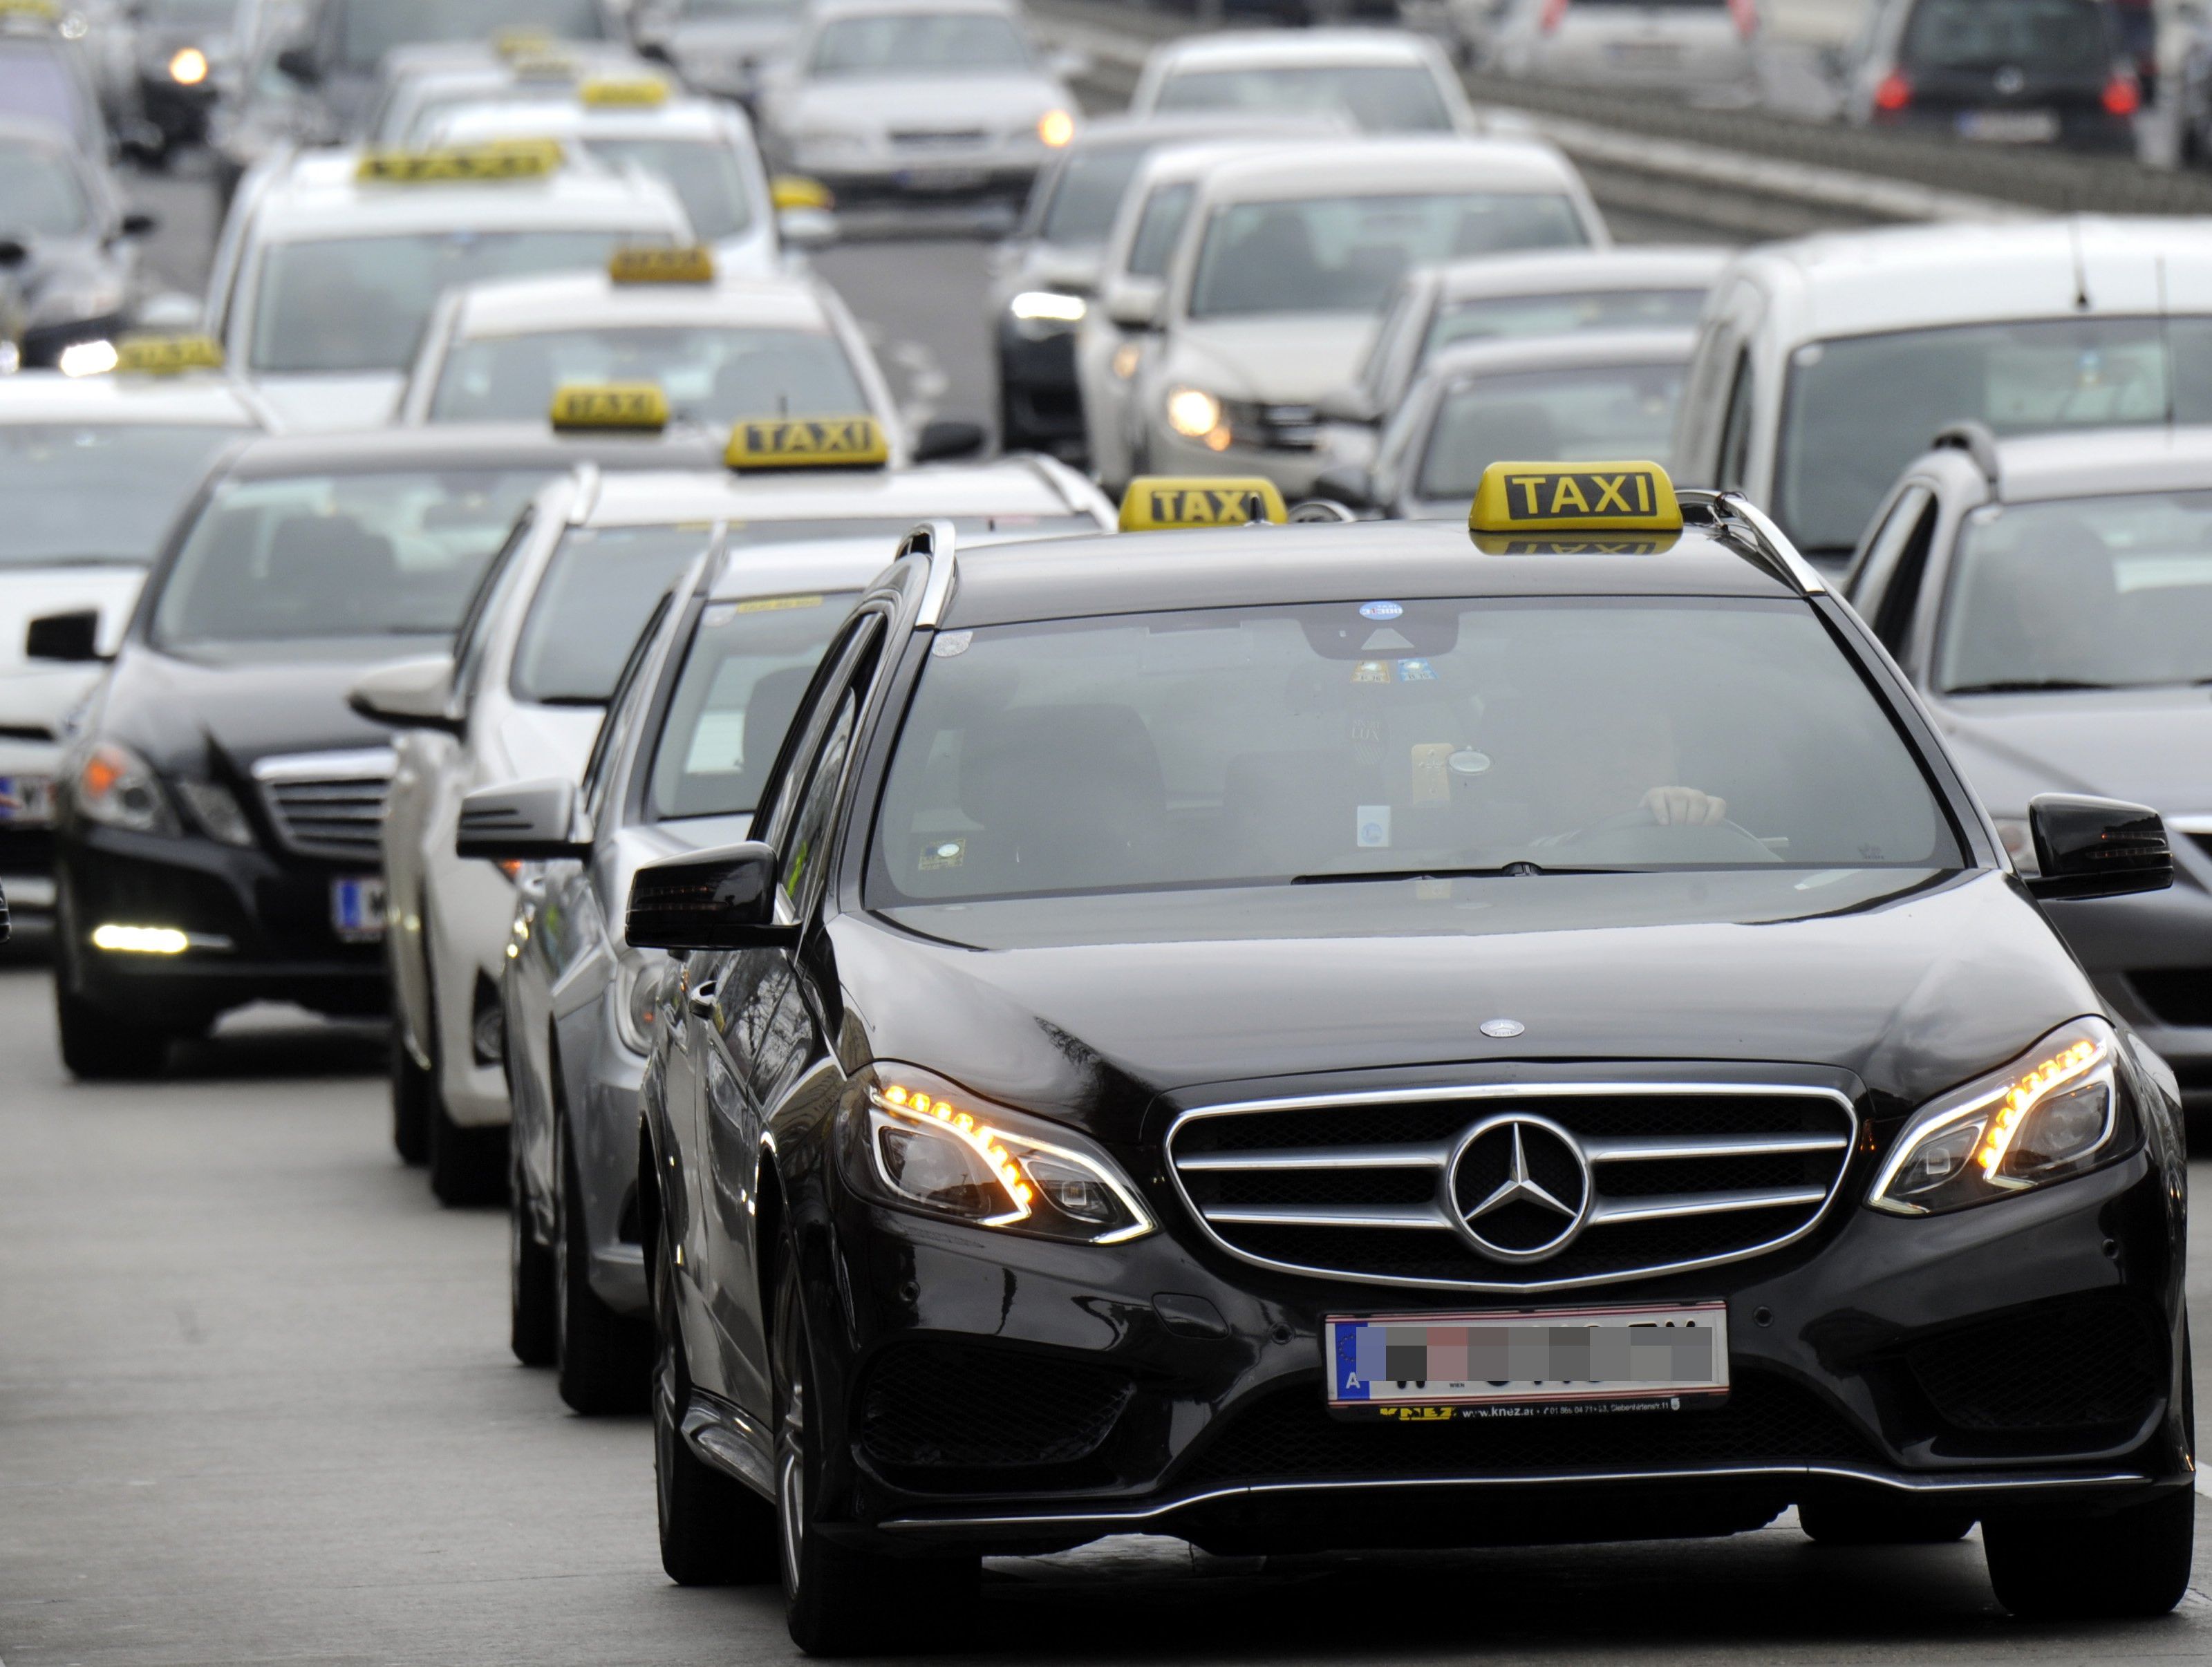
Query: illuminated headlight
115,787
1196,415
1043,304
2056,1112
189,67
1056,128
950,1155
88,358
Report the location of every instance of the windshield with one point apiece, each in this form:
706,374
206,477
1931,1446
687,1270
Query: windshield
1346,254
1506,318
110,493
599,589
743,680
2103,591
919,43
35,84
2065,37
191,13
324,557
359,304
1254,746
739,7
1160,228
704,175
1381,98
371,28
40,194
1859,410
711,375
1088,193
1594,413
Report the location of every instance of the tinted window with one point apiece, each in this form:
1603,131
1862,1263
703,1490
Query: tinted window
1381,98
1345,254
370,28
1088,194
191,13
804,846
1252,746
138,475
339,556
2062,36
748,668
2100,591
1159,229
1606,412
919,43
710,375
1500,318
598,592
703,174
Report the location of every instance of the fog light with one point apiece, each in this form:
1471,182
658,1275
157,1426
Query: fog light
141,940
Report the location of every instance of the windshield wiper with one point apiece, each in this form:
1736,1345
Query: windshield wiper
1510,870
2027,685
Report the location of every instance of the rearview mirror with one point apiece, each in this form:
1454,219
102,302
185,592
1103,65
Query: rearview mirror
411,694
532,821
138,223
2087,847
1135,303
71,639
13,253
719,900
944,437
298,63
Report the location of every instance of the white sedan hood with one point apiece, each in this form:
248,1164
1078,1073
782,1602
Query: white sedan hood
1282,359
325,405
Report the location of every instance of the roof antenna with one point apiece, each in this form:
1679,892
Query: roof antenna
2081,268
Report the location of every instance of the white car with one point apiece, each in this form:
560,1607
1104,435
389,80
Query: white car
718,46
1383,81
331,262
426,85
1825,365
1702,48
93,471
1283,270
718,351
535,664
705,151
905,98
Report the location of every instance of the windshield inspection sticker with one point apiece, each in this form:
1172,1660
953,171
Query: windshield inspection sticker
1371,672
1416,671
946,853
1431,773
1374,826
1381,610
951,645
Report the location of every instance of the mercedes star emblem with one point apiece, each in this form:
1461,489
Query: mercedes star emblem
1503,1028
1520,1187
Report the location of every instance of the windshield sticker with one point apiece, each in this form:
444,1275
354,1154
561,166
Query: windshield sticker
946,853
1431,773
1416,671
1374,829
1381,610
1370,671
951,645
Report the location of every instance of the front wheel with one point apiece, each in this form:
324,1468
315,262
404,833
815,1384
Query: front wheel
2129,1565
605,1359
410,1102
532,1329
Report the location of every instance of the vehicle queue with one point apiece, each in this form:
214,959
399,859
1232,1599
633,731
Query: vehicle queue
1205,983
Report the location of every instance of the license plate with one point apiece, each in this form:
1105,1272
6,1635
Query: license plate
943,179
357,909
2009,127
1645,53
1431,1366
27,801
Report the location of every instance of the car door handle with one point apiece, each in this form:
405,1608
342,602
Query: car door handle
703,997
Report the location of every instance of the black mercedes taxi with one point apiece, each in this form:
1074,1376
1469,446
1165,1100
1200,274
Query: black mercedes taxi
1319,1036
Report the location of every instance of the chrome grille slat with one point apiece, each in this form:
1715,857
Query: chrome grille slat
1341,1215
1322,1157
328,804
1657,1147
1701,1203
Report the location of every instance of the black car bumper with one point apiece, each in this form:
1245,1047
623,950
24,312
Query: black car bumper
43,344
261,926
181,112
1000,1393
1040,403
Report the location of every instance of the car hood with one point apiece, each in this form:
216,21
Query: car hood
885,102
187,713
2147,746
1282,359
1085,1009
535,743
323,404
730,37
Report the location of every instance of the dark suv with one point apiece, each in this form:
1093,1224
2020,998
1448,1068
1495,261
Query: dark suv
1999,72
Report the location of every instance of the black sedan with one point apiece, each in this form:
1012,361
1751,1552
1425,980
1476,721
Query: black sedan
1315,1036
73,245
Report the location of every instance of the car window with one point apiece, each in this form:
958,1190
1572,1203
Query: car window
1735,426
1878,571
498,580
1507,318
705,174
1087,194
1596,412
1160,228
711,373
140,475
917,43
368,29
601,586
2065,37
630,693
2108,591
35,84
1247,747
39,193
1379,98
1346,254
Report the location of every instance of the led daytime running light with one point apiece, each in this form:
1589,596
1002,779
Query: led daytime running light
2026,1094
979,1136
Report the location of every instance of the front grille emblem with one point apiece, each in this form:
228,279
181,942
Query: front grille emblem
1521,1187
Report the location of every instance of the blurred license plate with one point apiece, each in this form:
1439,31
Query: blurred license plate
1645,53
2009,127
1419,1367
943,179
357,909
27,801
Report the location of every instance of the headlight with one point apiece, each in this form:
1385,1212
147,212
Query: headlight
189,67
951,1156
2055,1113
1196,415
1045,304
114,786
636,996
1056,128
217,810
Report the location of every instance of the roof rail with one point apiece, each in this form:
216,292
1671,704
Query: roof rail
1768,542
938,541
1976,440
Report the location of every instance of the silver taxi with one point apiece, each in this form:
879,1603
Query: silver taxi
1383,81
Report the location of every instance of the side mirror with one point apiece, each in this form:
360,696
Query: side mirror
2089,848
411,695
1349,485
71,639
138,223
1135,303
945,438
532,821
806,229
298,63
719,900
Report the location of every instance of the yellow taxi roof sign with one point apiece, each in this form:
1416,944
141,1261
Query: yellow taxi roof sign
649,265
155,354
1575,499
512,43
856,442
543,67
41,11
604,407
1158,503
623,93
796,190
507,159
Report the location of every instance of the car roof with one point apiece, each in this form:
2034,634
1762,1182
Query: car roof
474,446
90,401
320,198
568,118
1194,159
1544,271
2098,462
1569,350
1011,487
570,300
800,565
1237,49
1308,563
1374,165
34,130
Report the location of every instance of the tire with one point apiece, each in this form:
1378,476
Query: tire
2131,1564
605,1359
839,1599
410,1104
713,1530
1828,1522
100,1046
467,1165
533,1327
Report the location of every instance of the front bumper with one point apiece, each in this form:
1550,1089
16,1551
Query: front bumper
996,1393
606,1135
180,112
876,174
1040,404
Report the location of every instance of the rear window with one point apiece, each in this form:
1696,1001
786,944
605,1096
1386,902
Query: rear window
1501,317
2061,35
34,83
711,374
1379,98
1600,412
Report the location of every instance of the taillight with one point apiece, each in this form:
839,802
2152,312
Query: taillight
1745,15
1554,13
2122,96
1894,92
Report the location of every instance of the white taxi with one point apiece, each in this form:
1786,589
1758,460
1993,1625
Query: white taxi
1384,81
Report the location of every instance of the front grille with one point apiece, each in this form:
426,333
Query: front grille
1289,1435
2087,1361
328,804
1374,1186
939,1405
939,139
2176,995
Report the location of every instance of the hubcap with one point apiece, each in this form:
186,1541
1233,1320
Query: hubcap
791,1455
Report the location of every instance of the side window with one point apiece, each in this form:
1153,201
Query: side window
475,633
1900,598
1735,427
805,844
1876,556
805,801
623,708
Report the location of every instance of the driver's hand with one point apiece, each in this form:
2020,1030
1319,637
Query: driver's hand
1684,807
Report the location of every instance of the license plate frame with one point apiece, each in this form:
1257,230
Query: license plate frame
27,801
2009,127
357,908
1351,1392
